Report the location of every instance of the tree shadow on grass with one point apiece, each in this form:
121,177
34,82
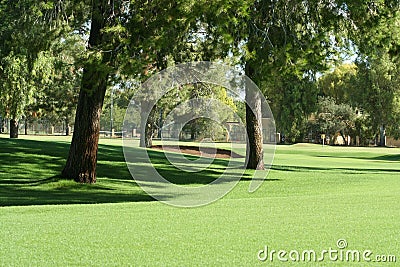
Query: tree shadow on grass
174,174
333,169
29,182
29,175
388,157
21,196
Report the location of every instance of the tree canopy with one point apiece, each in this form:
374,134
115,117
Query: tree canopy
61,56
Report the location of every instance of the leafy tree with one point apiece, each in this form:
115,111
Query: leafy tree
116,101
24,35
296,102
102,43
379,84
373,26
282,40
332,117
56,95
287,43
190,32
16,90
136,34
339,84
205,127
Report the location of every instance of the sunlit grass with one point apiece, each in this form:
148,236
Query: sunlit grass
312,197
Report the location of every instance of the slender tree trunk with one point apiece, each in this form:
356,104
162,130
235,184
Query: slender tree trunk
146,124
193,130
160,124
254,148
82,159
13,128
67,129
143,122
382,135
149,134
26,126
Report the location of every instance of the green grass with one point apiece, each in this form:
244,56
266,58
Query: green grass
312,197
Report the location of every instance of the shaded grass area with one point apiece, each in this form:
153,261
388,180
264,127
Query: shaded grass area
29,171
29,175
205,176
30,168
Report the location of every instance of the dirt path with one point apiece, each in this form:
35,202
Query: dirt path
200,151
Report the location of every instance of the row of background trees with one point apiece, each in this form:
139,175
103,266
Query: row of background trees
58,58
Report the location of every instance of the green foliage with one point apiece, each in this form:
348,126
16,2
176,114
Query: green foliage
289,42
332,117
339,84
286,43
371,86
27,29
58,96
378,86
15,86
215,102
293,101
375,26
116,102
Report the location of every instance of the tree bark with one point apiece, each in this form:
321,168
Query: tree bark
82,159
254,148
13,128
382,135
67,128
193,130
26,126
143,122
149,134
146,124
160,124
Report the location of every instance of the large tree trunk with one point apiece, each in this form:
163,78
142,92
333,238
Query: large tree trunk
254,148
82,159
13,128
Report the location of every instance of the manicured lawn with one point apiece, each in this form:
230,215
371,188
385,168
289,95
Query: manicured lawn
312,197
